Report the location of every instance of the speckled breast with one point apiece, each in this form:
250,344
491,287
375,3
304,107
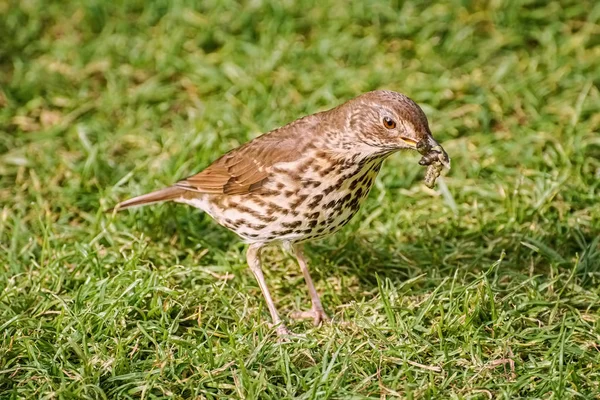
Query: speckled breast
302,201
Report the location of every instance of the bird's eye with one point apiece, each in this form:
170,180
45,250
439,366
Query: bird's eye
389,123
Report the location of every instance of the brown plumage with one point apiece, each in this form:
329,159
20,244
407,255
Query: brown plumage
305,180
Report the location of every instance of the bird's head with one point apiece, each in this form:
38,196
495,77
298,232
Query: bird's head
384,121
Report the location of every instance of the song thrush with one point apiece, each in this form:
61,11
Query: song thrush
305,180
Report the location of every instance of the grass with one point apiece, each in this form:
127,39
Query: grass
487,287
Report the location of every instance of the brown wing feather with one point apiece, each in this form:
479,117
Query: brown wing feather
247,168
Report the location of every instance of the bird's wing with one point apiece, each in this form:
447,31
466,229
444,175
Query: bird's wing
234,173
247,168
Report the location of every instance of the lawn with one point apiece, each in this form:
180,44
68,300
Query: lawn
487,286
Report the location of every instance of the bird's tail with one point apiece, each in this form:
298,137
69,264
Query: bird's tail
169,193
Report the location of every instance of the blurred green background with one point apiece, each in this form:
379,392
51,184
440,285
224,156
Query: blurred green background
486,287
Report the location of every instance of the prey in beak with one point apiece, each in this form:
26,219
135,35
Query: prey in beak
434,157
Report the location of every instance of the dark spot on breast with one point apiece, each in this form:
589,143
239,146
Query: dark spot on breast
328,170
258,201
273,208
298,201
337,186
269,193
239,222
311,183
293,224
330,220
282,233
314,215
302,168
331,204
258,215
315,201
328,190
295,177
322,154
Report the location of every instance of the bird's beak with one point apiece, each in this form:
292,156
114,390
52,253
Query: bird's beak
412,143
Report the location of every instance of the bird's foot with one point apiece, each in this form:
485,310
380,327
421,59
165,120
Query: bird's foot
282,330
318,315
284,335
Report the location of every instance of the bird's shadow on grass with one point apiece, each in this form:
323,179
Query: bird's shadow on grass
352,255
368,260
438,255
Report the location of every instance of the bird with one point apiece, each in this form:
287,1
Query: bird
304,181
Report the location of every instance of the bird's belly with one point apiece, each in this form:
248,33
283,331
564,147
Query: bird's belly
290,210
316,209
296,225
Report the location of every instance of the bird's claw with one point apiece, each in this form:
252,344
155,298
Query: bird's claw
283,333
281,329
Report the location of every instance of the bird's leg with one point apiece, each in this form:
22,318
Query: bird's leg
316,312
253,258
